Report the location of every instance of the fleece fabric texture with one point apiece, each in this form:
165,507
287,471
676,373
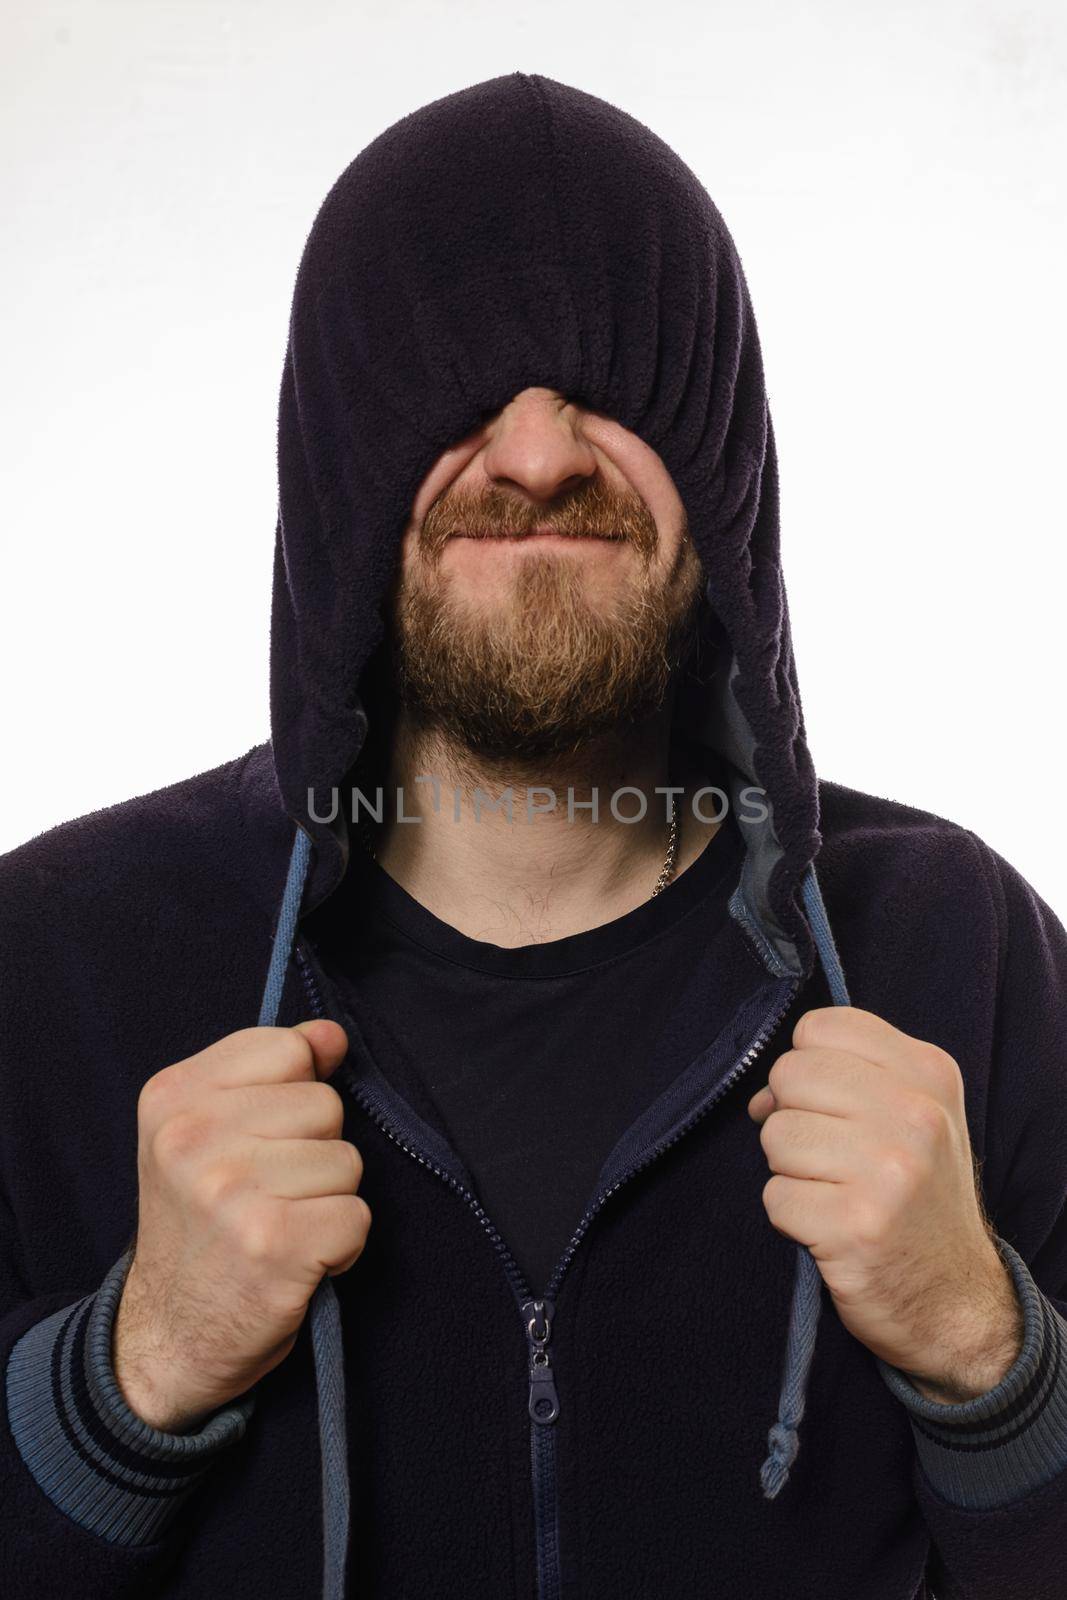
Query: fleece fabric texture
518,233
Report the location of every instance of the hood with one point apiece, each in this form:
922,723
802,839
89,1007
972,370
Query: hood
520,233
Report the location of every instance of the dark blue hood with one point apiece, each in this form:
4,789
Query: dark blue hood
518,233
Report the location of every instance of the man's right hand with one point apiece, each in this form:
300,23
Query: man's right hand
247,1197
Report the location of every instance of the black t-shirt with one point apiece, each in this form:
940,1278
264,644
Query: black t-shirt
535,1059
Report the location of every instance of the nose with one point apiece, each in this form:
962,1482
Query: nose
536,446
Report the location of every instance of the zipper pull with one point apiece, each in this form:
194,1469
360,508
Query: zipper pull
544,1401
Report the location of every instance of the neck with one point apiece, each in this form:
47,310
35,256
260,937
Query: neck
549,870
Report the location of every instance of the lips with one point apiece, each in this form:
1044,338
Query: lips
544,533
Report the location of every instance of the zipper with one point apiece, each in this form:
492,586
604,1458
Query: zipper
543,1406
538,1311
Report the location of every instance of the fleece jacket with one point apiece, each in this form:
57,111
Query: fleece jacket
682,1411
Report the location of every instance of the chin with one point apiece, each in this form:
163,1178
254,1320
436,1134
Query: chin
487,577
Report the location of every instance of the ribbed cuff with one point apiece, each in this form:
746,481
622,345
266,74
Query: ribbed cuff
998,1446
99,1462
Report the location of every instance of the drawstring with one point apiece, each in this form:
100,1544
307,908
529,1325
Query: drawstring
325,1312
804,1313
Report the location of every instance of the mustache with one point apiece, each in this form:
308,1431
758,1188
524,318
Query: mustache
594,511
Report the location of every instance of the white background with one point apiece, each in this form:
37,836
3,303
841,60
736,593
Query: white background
893,176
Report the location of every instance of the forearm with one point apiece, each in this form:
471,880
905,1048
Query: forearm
979,1341
98,1464
998,1445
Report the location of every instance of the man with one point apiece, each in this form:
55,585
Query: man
643,1256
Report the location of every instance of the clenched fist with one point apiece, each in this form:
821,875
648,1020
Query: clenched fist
247,1198
866,1134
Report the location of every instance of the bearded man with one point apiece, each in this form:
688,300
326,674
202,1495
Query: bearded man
447,1151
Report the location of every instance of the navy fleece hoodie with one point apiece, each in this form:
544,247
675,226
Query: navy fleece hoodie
683,1412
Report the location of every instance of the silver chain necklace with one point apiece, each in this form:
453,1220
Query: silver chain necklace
668,865
666,871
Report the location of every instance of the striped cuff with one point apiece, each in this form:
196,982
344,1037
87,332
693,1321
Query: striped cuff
99,1462
998,1446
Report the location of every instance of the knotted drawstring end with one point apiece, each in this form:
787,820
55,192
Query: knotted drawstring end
784,1441
783,1437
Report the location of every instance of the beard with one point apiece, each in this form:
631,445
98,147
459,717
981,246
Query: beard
539,673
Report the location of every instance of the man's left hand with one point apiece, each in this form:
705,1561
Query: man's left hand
866,1137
